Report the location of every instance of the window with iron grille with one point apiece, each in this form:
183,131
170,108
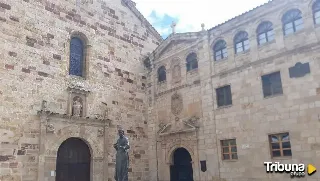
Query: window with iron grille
229,149
241,42
192,62
280,145
220,50
224,97
265,32
292,21
76,57
271,84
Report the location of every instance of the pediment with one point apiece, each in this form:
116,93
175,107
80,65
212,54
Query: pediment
172,44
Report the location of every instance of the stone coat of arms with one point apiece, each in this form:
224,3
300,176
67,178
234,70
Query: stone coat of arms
176,104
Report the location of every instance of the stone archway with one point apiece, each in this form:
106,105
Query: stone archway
73,161
181,168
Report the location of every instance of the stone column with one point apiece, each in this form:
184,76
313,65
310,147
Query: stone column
106,153
42,149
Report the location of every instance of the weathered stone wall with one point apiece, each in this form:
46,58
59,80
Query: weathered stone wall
251,118
34,64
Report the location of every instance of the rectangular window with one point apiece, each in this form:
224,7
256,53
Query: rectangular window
229,149
271,84
224,97
280,145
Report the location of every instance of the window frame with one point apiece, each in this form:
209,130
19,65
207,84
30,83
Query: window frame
272,85
225,90
162,68
84,43
230,153
193,63
241,41
281,149
222,49
316,10
263,29
292,22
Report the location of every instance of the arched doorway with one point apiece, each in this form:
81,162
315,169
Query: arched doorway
73,161
181,170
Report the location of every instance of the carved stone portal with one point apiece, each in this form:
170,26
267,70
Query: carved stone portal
176,104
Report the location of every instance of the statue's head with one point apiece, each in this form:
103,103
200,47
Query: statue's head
121,133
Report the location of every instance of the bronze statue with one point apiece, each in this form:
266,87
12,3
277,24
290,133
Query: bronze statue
122,157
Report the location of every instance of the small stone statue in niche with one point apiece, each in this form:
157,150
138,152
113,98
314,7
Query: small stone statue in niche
77,107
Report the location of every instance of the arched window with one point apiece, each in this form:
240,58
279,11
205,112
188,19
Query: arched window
265,32
241,42
162,74
192,62
316,12
220,50
76,57
292,21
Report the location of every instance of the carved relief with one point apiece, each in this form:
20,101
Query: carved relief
193,121
176,73
100,132
44,105
50,128
176,104
77,107
77,102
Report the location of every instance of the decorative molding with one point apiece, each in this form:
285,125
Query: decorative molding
190,125
78,85
73,120
176,104
100,132
303,49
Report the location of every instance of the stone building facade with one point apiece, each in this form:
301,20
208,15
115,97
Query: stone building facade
210,105
237,95
71,72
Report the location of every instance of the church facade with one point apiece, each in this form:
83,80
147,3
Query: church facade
212,105
71,73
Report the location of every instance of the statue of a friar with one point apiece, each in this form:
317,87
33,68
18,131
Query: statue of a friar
122,157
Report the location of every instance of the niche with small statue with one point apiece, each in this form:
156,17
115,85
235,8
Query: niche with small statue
77,102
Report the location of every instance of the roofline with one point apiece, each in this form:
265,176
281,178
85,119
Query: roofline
132,6
249,11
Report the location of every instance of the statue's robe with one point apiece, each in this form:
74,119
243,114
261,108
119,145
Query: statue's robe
122,159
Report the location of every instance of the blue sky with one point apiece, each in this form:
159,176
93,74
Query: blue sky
189,14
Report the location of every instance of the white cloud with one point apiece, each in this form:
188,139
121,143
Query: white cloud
191,13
